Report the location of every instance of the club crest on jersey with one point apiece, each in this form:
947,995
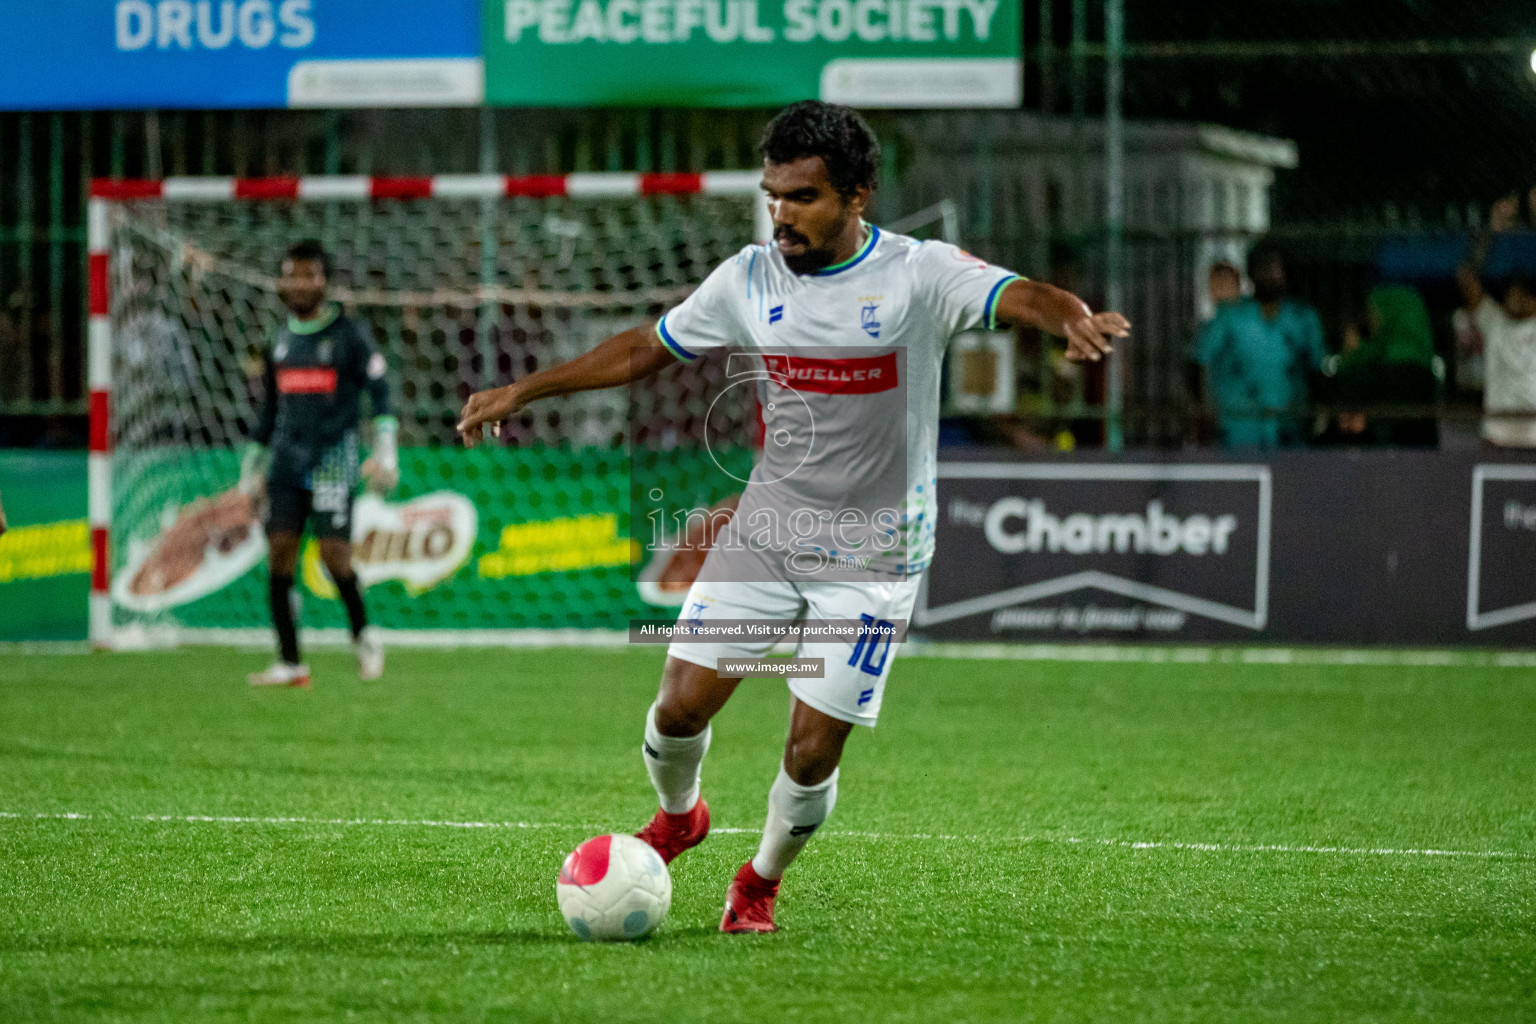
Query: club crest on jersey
869,307
280,353
775,314
324,352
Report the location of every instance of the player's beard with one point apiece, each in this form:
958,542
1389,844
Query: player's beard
808,261
303,305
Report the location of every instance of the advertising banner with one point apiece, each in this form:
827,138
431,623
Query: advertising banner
1355,548
482,539
741,53
45,555
95,54
1346,548
1164,539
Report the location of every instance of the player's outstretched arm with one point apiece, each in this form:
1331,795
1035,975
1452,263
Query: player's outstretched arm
624,358
1037,304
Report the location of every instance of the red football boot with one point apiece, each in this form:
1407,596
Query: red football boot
749,903
671,834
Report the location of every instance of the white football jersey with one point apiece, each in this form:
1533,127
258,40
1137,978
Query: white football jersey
853,342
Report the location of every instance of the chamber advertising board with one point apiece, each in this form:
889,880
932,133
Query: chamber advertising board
1322,547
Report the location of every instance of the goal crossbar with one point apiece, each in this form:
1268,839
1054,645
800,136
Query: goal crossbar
441,186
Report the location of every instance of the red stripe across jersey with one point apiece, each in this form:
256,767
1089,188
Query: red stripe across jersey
864,376
307,380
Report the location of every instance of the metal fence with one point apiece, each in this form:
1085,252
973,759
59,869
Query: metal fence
47,161
1399,120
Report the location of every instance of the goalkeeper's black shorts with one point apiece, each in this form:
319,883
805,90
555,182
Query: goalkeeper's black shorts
327,508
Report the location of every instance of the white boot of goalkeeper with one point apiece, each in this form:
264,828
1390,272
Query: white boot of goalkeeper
370,654
281,673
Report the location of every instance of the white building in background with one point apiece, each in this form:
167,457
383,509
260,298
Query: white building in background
1194,194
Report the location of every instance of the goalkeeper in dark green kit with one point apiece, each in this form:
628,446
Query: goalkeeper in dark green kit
304,453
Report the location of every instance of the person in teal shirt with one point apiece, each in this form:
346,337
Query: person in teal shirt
1257,353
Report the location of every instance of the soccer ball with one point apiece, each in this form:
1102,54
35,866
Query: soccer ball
613,888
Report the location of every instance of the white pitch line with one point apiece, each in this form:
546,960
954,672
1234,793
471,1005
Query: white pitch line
230,819
1087,652
1127,844
1141,654
1354,851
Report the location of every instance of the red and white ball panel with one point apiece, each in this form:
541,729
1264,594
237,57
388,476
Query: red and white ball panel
614,887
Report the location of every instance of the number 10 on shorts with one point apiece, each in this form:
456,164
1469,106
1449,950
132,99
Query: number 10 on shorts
874,644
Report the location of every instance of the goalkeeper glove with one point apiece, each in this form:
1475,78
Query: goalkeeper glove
253,468
383,467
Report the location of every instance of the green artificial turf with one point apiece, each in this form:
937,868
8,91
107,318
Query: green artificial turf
964,876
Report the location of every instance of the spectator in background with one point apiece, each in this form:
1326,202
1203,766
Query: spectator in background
1389,374
1224,285
1503,216
1470,370
1508,331
1257,354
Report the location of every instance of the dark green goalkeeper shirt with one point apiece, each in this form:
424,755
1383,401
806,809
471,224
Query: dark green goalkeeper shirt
313,378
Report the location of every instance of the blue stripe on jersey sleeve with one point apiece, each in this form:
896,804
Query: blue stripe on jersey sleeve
671,342
989,314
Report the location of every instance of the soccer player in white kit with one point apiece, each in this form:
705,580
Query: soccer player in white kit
827,284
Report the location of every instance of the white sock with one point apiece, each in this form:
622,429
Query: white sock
794,813
673,763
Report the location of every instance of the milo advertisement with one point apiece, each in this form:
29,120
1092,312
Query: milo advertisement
514,538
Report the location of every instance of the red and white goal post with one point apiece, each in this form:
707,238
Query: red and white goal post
461,275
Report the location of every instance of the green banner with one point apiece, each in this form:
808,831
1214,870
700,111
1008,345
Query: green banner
744,53
45,555
489,538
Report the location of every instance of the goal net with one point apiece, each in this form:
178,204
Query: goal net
465,282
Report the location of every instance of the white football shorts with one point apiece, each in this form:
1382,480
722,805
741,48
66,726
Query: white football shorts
855,670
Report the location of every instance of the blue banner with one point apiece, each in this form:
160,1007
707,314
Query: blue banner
105,54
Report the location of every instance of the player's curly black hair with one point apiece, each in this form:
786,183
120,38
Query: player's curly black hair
844,141
309,249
